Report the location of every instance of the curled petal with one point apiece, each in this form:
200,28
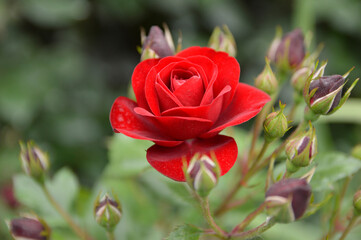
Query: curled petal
169,160
124,120
246,103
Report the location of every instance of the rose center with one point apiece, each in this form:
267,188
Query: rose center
179,77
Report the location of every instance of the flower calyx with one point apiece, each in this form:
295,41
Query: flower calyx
34,161
301,150
266,80
202,174
223,40
275,124
107,212
287,200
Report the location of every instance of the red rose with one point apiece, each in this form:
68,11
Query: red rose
183,102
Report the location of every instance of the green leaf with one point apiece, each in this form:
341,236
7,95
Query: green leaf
332,167
63,187
185,232
126,156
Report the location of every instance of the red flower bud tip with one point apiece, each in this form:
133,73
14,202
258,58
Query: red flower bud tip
275,124
7,194
287,200
34,161
357,202
29,228
302,149
157,44
107,212
202,174
223,40
291,49
266,80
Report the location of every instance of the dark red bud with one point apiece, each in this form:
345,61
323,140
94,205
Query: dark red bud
298,189
326,85
7,194
157,42
293,43
27,228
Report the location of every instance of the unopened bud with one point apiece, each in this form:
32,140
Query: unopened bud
29,228
7,194
291,49
202,174
107,212
357,202
323,95
266,80
223,40
157,44
34,161
275,124
302,149
299,78
287,200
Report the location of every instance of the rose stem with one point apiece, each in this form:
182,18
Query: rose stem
204,202
110,235
244,178
240,227
80,232
261,153
349,227
256,231
338,203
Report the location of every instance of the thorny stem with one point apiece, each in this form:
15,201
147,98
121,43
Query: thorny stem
349,227
80,232
240,227
261,153
204,202
256,231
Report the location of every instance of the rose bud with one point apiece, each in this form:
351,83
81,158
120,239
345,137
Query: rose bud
157,44
302,149
34,161
29,228
223,41
275,125
202,174
291,50
107,212
7,194
323,94
357,202
299,78
287,200
266,80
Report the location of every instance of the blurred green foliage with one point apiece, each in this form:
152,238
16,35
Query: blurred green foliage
63,62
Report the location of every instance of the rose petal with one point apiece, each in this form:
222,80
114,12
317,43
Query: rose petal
166,98
169,161
228,68
179,128
149,83
124,120
210,111
246,103
138,80
191,92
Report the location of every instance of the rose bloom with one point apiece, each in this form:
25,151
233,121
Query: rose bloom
183,102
